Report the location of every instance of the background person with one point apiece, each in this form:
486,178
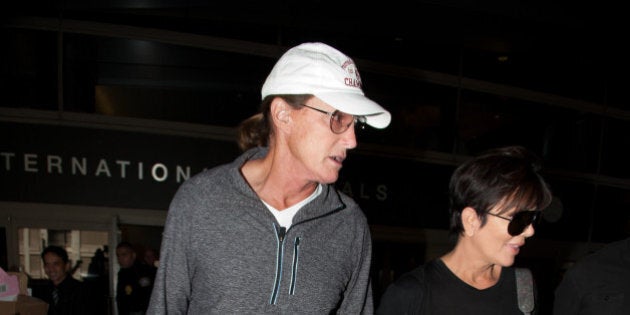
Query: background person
64,294
97,281
151,257
135,282
269,232
597,284
494,200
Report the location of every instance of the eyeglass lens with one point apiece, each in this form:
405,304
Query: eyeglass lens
521,220
340,122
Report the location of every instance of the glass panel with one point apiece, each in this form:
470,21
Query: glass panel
422,113
36,266
565,138
615,154
572,141
569,217
143,79
549,71
486,121
3,249
80,252
29,69
386,200
87,253
611,218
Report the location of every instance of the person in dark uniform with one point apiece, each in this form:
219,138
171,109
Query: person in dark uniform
64,294
135,282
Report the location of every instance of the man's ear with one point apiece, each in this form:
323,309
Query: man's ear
280,111
284,116
470,221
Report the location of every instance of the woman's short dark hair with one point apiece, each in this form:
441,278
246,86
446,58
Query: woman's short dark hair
507,175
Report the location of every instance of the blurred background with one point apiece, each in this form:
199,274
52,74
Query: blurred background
107,106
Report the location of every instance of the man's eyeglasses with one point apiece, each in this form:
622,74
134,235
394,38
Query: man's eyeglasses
340,121
520,221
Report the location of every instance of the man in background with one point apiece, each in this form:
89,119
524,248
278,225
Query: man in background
135,282
64,294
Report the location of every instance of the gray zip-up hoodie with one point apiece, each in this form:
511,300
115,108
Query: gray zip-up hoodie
223,252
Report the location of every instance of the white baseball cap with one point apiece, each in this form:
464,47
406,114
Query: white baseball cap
323,71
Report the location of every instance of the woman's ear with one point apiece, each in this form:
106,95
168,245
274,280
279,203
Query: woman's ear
470,221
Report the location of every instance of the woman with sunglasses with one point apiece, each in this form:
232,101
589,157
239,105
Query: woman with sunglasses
495,201
268,233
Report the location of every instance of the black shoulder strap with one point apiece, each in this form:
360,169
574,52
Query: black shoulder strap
525,290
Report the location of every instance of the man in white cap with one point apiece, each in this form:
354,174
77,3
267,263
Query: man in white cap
269,233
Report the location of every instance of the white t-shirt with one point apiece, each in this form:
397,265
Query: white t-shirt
285,217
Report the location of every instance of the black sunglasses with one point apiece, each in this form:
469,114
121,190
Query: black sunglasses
520,221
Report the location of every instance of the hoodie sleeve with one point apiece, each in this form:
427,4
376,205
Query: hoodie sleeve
172,290
358,295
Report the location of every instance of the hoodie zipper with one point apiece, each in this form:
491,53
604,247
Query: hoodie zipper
280,233
294,265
